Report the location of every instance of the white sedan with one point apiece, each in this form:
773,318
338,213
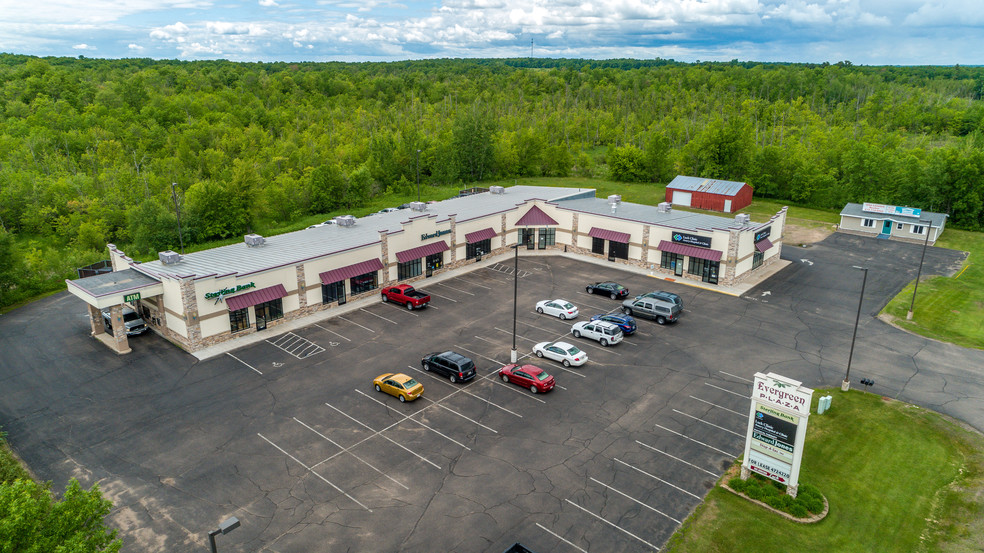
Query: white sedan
561,351
558,308
606,333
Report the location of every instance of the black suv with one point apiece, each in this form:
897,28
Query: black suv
455,366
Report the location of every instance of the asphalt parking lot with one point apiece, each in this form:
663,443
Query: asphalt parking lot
289,436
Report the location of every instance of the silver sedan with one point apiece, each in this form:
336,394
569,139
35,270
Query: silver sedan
561,351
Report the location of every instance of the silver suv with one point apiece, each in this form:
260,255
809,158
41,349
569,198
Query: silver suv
133,323
606,333
660,310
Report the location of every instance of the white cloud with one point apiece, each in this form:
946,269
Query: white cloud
268,3
83,46
948,12
170,33
230,28
800,12
135,47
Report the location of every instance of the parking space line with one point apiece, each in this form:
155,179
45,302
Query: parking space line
731,455
545,529
653,476
309,469
380,434
408,418
243,362
509,332
627,496
520,391
464,391
675,458
478,354
382,317
296,346
345,450
442,406
333,332
470,283
612,524
455,289
736,376
698,419
729,391
743,415
356,324
442,297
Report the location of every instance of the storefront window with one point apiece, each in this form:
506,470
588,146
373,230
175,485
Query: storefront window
548,237
363,283
671,261
333,292
707,270
239,319
478,248
270,310
527,236
757,258
618,250
409,269
598,246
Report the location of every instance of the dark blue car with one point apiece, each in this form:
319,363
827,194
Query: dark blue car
625,322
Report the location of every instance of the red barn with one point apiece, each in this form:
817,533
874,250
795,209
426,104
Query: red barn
716,195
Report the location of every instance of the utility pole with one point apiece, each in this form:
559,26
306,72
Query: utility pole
418,175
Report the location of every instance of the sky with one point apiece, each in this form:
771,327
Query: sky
864,32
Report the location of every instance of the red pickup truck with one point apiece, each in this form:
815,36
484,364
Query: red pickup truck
406,295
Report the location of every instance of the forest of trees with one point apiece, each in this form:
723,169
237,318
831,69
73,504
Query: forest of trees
89,148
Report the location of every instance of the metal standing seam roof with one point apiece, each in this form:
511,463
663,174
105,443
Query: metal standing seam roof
606,234
855,210
349,271
535,217
256,297
296,247
479,235
650,215
422,251
692,251
699,184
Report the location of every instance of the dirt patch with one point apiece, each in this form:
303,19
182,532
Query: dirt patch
795,235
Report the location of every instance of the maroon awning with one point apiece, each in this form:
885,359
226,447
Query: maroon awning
255,297
606,234
692,251
479,235
535,217
763,245
422,251
361,268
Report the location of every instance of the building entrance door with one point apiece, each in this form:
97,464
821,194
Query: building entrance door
261,317
678,267
887,227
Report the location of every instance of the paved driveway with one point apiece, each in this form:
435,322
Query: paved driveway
288,435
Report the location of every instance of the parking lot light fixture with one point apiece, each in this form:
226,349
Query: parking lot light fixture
846,385
514,356
228,525
177,211
927,226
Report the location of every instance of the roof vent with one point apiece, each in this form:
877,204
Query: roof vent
664,207
743,219
346,220
169,257
253,240
418,206
614,199
497,190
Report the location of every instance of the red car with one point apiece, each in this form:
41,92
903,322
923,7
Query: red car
527,376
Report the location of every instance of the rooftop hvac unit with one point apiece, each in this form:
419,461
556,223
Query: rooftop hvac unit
614,199
346,220
497,190
169,257
743,219
664,207
418,206
254,240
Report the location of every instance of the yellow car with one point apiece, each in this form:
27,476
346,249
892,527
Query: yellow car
399,385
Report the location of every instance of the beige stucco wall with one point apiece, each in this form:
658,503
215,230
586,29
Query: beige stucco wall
463,228
313,268
214,316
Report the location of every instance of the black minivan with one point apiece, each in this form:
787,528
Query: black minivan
455,366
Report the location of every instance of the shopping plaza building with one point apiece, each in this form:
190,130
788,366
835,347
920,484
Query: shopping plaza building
206,297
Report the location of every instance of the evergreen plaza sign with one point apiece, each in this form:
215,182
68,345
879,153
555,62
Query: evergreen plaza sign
777,429
226,291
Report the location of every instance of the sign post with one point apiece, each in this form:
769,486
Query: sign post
777,429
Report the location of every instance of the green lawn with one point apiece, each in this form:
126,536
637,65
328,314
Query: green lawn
898,478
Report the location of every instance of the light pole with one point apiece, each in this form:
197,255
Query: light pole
228,525
418,175
513,357
846,385
178,211
927,226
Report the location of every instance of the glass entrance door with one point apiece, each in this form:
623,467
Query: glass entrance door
529,237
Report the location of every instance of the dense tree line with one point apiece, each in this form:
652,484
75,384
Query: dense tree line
89,148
